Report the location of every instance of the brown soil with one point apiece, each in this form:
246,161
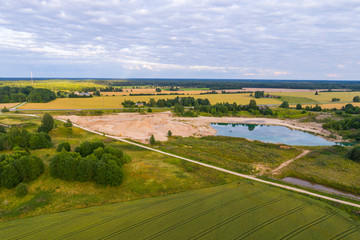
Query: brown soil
141,127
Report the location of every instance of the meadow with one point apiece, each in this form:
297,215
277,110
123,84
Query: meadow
149,174
115,101
8,105
330,166
54,84
242,210
236,154
322,97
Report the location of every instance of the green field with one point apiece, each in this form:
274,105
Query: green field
236,154
115,101
310,97
329,166
149,174
54,84
237,211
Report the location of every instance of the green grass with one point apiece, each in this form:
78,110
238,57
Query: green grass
292,100
149,174
329,166
235,154
236,211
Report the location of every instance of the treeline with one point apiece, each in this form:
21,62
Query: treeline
91,161
21,94
110,89
345,124
19,167
20,137
218,84
184,101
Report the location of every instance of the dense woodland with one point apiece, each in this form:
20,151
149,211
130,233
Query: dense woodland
21,94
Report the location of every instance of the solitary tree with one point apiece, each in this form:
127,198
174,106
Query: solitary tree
252,104
298,106
284,104
356,99
68,123
47,123
152,140
169,133
316,93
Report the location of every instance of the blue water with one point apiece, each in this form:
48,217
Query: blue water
271,134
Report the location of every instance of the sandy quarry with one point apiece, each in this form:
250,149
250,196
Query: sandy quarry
141,127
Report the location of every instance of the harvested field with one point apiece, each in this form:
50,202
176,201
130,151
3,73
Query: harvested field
8,105
323,97
115,101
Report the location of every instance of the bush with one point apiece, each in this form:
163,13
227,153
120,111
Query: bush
21,190
47,123
5,110
355,154
284,104
68,123
169,133
298,106
40,140
356,99
2,129
64,145
152,140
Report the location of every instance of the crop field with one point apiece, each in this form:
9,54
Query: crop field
115,101
242,210
7,105
54,84
323,97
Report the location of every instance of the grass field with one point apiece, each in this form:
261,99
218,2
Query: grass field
115,101
54,84
236,154
323,97
149,174
332,105
329,166
244,210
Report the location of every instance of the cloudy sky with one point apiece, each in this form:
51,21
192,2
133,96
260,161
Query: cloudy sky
262,39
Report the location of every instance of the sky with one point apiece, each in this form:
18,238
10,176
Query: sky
248,39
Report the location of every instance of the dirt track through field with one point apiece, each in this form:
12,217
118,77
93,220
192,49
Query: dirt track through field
284,164
227,171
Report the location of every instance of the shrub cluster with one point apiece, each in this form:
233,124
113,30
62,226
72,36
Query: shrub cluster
91,161
22,138
19,167
346,124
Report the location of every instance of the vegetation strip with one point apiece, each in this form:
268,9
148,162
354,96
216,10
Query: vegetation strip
225,170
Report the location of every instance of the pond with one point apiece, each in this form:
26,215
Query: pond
271,134
319,187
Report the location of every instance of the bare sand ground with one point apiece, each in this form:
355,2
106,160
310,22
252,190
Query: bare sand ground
140,127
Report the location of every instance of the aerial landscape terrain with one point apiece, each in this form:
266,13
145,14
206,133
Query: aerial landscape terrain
179,119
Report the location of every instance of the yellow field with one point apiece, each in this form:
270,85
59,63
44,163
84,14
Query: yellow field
54,84
7,105
329,105
322,97
115,101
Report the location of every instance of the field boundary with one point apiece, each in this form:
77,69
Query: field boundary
294,189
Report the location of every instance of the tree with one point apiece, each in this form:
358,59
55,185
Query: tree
149,110
284,104
40,140
64,145
9,176
179,109
158,90
47,123
5,110
355,154
152,140
2,129
259,94
298,106
169,133
152,102
253,105
316,93
356,99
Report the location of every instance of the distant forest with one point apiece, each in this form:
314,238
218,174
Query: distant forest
216,84
236,84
